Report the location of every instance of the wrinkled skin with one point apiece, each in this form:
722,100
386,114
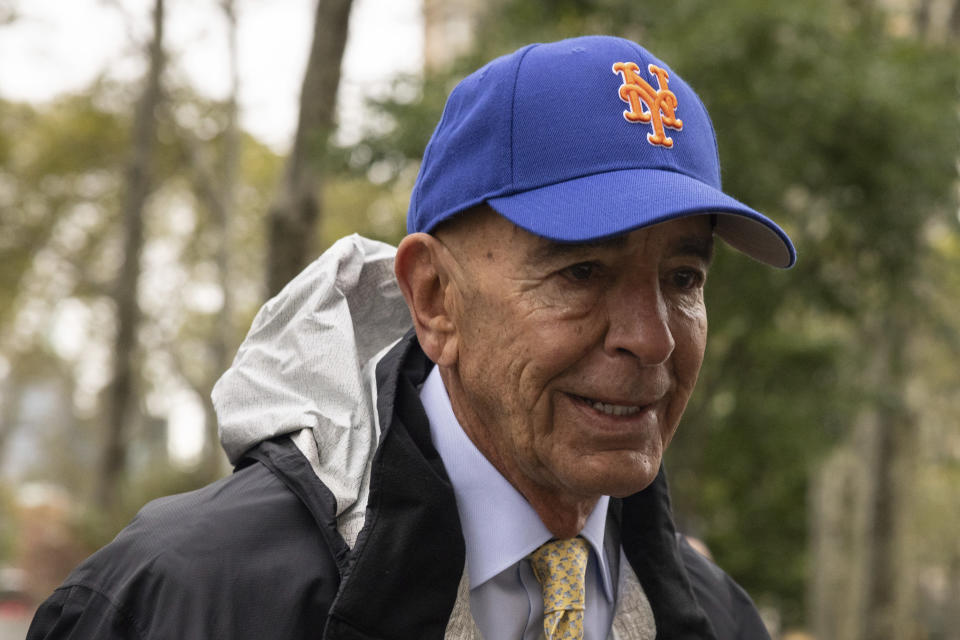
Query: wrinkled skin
531,335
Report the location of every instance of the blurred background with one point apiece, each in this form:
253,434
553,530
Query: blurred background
167,165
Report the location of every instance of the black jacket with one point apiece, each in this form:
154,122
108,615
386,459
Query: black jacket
258,555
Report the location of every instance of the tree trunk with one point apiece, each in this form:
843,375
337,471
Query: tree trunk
215,183
954,21
222,345
921,17
122,392
861,588
888,477
837,522
297,207
10,394
880,611
953,596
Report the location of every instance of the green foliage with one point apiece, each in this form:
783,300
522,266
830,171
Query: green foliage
824,145
45,173
61,186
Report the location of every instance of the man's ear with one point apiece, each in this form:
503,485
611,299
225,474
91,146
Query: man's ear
424,280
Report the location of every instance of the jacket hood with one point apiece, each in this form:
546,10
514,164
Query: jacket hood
307,366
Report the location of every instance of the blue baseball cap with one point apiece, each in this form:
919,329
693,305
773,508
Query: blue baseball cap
583,139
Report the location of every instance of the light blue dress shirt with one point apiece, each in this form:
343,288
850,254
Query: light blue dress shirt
500,529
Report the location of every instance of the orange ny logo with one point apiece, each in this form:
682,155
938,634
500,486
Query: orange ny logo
657,107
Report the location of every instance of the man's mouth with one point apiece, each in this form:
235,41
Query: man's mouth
610,409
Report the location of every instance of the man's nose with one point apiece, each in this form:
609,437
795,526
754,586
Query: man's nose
640,324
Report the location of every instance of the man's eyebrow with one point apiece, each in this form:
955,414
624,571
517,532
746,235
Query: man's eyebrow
551,249
697,245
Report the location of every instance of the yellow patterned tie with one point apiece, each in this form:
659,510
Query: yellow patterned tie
560,566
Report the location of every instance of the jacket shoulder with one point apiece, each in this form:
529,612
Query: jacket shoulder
242,557
729,608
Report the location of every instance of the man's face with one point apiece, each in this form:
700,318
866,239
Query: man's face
576,361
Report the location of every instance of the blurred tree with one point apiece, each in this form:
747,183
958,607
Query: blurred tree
837,174
61,194
216,185
297,206
139,177
58,193
223,340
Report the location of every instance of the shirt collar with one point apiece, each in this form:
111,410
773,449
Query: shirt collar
500,528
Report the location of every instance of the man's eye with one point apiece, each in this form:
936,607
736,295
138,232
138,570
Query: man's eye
580,271
687,279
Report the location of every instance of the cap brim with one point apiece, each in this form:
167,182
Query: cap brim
614,202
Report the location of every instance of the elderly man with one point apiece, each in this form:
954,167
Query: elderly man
495,470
